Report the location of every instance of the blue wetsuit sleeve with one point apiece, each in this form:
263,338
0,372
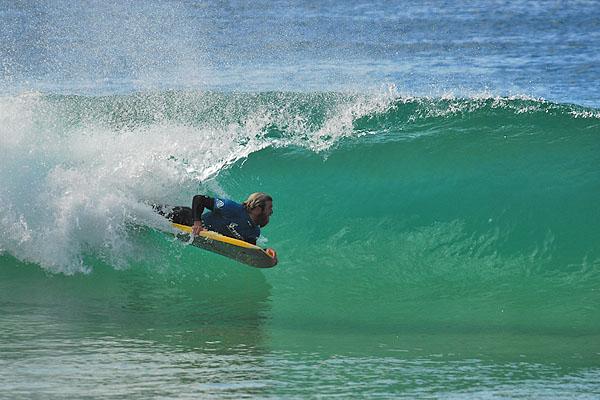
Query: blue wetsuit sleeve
199,203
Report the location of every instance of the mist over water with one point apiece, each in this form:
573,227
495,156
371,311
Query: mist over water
424,48
435,172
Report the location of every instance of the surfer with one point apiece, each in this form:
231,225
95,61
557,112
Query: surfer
240,221
227,217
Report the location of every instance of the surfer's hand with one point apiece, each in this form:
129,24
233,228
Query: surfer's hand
272,253
197,227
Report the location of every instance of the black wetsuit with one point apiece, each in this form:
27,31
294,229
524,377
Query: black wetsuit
186,215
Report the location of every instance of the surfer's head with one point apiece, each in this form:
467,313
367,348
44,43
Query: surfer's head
260,207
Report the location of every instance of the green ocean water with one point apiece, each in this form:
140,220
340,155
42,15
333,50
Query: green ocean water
428,247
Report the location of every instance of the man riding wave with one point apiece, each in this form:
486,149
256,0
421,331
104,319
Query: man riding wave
227,217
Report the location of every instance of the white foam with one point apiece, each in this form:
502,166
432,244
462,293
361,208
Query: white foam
68,190
340,122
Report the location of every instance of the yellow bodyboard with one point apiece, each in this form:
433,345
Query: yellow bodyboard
244,252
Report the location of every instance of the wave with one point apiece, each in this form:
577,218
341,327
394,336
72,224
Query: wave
418,187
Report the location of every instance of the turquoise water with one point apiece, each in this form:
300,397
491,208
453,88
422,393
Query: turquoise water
435,175
428,247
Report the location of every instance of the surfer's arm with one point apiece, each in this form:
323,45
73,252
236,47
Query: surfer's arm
199,203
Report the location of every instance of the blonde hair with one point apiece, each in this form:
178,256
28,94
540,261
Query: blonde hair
258,199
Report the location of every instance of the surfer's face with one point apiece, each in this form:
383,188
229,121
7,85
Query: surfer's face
263,217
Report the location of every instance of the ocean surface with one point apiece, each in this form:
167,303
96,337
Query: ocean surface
435,169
